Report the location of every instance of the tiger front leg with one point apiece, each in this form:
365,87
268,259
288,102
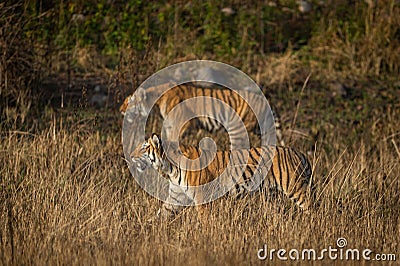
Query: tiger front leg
203,213
203,209
175,202
168,211
300,195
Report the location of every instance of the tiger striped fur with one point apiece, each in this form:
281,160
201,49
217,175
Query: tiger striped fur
290,172
180,93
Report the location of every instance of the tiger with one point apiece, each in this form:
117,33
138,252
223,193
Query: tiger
290,172
180,93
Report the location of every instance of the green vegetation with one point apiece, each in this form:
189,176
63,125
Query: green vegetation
345,32
66,194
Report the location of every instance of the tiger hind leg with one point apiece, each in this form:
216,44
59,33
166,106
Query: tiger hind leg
301,196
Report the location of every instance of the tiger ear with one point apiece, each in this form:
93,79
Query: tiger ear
156,140
140,94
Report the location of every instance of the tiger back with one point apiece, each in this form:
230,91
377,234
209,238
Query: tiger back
178,94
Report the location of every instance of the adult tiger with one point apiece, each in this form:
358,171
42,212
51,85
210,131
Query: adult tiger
290,172
138,104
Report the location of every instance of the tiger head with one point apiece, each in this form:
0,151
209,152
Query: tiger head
149,153
135,103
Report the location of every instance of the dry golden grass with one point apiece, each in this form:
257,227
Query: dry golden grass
67,197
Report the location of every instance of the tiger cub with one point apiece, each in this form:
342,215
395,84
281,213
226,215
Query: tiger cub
290,172
137,103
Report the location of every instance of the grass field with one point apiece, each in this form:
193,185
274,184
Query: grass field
67,196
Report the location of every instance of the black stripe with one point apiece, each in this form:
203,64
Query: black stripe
246,111
295,200
199,91
274,176
235,183
287,171
299,165
210,118
292,160
175,199
223,154
300,201
299,156
180,89
241,160
175,192
292,192
278,167
237,187
153,155
180,176
235,165
218,114
221,94
250,170
281,168
256,151
229,98
254,160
